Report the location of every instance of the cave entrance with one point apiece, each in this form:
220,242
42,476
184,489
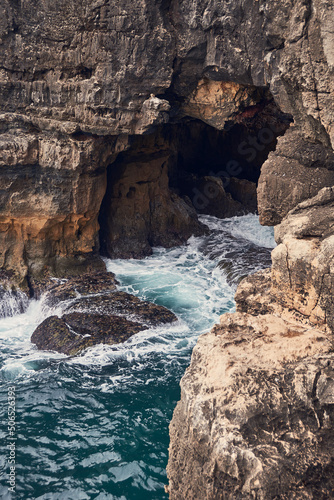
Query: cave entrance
159,185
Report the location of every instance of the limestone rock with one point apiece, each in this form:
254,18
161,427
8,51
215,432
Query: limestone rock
255,418
243,191
51,191
77,80
123,304
91,311
55,290
216,102
253,294
294,172
303,265
139,210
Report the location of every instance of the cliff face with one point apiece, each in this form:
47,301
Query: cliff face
80,84
255,419
78,81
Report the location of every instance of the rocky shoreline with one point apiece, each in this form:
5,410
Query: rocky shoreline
119,124
256,414
93,311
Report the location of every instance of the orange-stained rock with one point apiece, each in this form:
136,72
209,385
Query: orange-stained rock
216,102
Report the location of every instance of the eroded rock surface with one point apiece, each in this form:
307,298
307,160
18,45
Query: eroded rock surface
75,332
77,80
294,172
255,418
91,311
303,262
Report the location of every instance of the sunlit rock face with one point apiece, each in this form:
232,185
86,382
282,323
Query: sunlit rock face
303,262
52,187
255,419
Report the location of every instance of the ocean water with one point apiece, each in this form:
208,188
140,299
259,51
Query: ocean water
95,426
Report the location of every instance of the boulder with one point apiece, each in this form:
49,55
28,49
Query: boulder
77,331
93,312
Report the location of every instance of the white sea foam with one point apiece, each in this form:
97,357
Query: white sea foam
111,405
186,279
246,227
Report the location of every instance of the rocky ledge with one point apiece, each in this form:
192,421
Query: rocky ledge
116,315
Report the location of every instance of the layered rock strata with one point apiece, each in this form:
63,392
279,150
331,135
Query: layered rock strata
77,81
255,419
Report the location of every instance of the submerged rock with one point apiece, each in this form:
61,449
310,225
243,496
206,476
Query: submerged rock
124,304
59,290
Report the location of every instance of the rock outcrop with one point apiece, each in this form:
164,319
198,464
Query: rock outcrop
303,261
91,311
255,418
79,83
294,172
72,333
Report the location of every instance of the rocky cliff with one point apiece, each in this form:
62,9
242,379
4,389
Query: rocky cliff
255,419
119,122
79,84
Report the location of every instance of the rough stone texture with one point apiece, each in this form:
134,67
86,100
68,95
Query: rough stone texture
90,311
73,77
216,102
303,261
139,209
77,331
294,172
51,189
253,294
255,418
244,192
55,291
124,304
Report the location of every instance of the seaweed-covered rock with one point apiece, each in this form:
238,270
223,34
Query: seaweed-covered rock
124,304
74,332
94,313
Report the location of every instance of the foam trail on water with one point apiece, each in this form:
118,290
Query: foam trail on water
246,227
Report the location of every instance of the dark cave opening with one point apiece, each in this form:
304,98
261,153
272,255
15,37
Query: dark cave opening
158,186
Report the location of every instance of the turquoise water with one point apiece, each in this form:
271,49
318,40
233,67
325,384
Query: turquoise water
96,426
